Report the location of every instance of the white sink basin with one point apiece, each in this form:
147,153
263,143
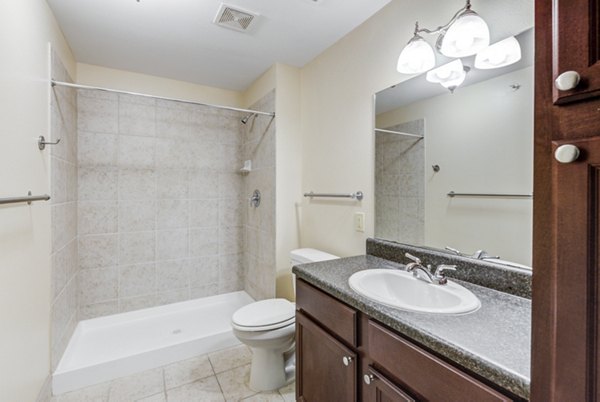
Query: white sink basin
400,289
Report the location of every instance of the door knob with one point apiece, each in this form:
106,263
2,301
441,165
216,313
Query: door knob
369,378
567,81
347,360
566,153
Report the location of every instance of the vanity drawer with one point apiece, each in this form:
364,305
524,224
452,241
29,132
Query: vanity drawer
430,377
329,312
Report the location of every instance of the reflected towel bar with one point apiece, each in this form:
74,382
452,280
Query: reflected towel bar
452,194
28,199
359,195
381,130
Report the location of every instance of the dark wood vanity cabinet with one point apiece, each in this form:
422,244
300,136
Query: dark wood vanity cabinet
378,388
343,355
326,369
326,358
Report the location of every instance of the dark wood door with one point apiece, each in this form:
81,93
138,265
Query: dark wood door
326,369
565,361
577,203
577,46
378,388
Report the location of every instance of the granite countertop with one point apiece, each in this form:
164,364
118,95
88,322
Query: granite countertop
493,342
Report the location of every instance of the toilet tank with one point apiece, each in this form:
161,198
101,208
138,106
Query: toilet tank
306,255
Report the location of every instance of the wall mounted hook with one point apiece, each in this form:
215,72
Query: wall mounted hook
515,87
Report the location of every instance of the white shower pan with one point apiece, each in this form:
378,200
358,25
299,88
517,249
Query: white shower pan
105,348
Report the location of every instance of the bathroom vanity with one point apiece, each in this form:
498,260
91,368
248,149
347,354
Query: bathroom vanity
350,348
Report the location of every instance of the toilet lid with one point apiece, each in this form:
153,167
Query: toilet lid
264,313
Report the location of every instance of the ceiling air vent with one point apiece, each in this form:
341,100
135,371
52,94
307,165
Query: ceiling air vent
234,18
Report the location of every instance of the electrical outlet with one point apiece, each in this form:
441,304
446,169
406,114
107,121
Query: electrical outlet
359,221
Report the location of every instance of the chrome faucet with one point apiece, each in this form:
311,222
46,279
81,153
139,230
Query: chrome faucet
424,273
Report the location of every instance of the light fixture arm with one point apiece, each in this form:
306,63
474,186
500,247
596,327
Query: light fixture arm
443,28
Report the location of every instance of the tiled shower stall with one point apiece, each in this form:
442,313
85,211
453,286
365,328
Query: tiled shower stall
150,206
400,184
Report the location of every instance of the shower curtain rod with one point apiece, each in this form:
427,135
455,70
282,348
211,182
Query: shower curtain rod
235,109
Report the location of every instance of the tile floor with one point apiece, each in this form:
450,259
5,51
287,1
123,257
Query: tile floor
219,376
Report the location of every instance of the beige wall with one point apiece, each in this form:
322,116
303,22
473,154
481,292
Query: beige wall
337,112
289,174
260,87
148,84
26,28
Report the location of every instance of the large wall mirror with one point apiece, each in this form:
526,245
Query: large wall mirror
454,170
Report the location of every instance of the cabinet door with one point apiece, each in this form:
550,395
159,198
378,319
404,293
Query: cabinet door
577,46
326,369
566,300
578,213
377,388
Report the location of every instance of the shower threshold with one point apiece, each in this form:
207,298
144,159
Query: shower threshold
102,349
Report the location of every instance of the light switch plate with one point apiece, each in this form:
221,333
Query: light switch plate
359,221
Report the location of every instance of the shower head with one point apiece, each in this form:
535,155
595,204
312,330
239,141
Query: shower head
246,118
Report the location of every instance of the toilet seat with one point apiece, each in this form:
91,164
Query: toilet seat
264,315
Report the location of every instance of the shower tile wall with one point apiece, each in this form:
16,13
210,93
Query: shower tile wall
400,184
161,214
259,146
63,191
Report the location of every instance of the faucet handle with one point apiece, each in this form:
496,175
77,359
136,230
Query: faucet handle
413,258
455,251
439,271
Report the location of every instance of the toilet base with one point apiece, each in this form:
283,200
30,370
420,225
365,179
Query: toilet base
271,370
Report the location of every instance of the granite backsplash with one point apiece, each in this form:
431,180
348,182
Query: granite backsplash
506,279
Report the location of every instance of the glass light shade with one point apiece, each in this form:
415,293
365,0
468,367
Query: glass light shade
416,57
452,84
466,36
449,75
447,72
500,54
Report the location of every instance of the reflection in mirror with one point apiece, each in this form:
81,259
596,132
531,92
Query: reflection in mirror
467,183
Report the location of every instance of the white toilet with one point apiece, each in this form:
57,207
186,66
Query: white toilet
268,328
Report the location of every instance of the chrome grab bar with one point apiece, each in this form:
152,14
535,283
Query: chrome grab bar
359,195
28,199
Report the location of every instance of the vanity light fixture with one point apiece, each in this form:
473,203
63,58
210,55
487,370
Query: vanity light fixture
417,56
464,35
449,75
500,54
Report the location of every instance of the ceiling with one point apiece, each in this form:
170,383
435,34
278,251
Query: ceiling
177,39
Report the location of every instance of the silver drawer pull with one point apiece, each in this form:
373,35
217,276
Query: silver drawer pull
567,81
566,153
347,360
